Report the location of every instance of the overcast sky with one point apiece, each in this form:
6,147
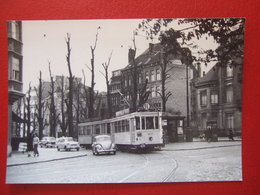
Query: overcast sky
44,41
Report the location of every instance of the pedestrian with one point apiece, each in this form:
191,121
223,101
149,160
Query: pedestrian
35,145
230,135
29,144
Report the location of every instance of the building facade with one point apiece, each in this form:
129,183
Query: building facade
149,78
15,70
216,100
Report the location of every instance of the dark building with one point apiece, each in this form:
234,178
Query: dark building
216,100
15,70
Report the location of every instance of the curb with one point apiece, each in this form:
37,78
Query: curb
210,147
43,161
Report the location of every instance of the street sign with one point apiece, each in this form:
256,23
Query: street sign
146,106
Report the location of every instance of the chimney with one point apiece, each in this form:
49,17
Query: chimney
199,70
151,45
131,55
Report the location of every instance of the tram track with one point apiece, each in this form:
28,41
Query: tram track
172,172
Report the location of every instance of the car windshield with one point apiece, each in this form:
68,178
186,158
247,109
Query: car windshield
103,139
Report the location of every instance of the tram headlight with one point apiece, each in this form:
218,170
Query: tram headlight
151,138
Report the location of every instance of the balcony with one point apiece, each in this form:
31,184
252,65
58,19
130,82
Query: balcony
15,47
15,89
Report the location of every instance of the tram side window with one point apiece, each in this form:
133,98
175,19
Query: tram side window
108,128
80,130
143,123
97,129
149,123
156,122
116,128
127,126
88,130
85,130
119,127
137,123
123,125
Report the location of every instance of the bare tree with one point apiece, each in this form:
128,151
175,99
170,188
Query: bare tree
63,122
143,94
70,103
85,97
28,108
40,107
53,112
106,66
92,69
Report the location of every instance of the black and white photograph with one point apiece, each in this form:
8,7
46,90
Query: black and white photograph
125,100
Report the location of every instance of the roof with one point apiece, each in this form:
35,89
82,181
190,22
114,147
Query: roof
211,76
149,56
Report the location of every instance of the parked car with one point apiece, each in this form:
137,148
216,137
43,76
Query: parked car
102,144
67,143
48,142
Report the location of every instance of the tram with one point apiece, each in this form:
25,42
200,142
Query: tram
138,130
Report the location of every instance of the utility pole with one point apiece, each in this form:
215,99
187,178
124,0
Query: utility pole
187,95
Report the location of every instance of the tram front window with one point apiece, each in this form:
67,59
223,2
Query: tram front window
149,123
137,123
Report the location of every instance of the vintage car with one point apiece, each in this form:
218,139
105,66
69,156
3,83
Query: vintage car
67,143
102,144
48,142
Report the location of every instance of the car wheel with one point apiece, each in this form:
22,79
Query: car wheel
114,153
65,148
58,149
77,149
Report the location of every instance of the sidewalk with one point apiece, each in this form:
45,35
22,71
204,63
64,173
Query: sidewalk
200,144
46,155
51,154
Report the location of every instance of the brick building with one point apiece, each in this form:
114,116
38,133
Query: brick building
148,68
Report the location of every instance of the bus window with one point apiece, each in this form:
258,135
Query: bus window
137,123
127,126
156,122
149,123
108,128
143,123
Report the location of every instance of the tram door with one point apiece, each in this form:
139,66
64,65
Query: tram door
132,129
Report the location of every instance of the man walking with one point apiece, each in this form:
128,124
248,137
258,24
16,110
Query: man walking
35,145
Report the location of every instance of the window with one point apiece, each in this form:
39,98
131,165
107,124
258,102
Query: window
149,123
204,120
230,121
203,98
15,30
158,74
127,125
214,97
156,122
153,91
16,69
229,94
158,91
147,75
229,71
97,129
123,125
152,75
140,78
137,123
143,123
108,128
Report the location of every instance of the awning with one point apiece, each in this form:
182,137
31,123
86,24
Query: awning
18,119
